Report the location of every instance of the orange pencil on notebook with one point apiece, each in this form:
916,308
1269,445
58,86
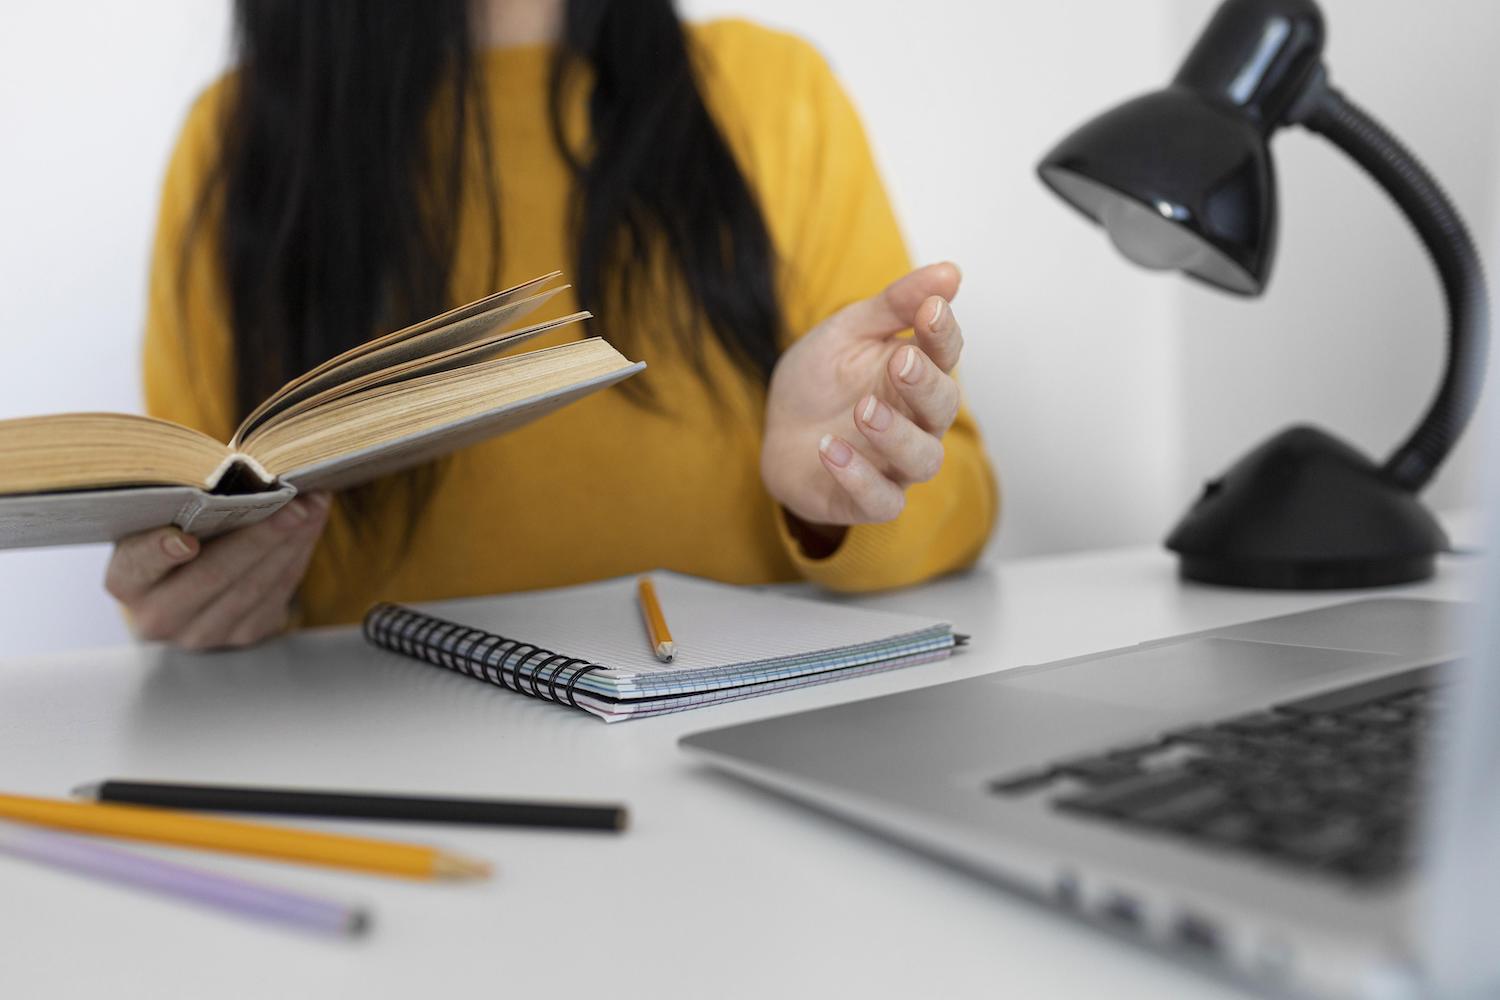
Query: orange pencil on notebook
656,623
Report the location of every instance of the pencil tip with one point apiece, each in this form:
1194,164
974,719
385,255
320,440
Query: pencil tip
454,866
90,791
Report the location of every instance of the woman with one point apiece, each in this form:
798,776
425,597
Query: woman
710,192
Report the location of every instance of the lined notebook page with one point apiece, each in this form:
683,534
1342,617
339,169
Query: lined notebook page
714,625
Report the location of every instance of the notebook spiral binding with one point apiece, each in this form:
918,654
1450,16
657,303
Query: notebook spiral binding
509,663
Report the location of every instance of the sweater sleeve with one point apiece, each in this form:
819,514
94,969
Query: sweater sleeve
186,353
841,243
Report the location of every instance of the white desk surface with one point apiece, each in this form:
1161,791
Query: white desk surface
717,890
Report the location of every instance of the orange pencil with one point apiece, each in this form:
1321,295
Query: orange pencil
656,623
263,840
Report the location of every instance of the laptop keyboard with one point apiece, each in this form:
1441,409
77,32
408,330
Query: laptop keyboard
1330,782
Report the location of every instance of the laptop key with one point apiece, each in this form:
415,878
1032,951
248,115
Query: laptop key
1020,784
1377,717
1232,828
1343,782
1324,843
1282,802
1376,859
1238,771
1209,736
1138,751
1258,722
1328,728
1133,794
1098,770
1190,807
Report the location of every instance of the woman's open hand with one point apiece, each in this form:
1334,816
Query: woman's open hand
856,413
232,591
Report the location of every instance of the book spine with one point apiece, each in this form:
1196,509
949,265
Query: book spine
486,656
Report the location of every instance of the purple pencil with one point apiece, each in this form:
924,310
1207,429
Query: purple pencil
87,857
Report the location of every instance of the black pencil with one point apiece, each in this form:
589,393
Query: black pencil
358,805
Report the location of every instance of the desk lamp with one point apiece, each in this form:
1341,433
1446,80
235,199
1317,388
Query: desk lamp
1181,179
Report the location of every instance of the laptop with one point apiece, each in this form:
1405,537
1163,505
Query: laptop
1307,804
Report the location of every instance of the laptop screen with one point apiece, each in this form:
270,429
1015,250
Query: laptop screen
1461,890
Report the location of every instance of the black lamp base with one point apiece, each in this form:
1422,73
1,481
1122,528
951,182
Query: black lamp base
1305,511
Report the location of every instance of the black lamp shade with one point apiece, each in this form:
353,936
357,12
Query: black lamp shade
1181,179
1179,183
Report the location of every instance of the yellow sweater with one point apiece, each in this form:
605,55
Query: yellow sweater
606,487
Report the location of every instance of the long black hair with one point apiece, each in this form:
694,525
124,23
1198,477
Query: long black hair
337,226
657,183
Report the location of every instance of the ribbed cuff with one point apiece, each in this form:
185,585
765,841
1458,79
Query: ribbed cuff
863,560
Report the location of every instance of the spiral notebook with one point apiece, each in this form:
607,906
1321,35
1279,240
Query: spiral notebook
585,647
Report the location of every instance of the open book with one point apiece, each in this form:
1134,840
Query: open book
393,402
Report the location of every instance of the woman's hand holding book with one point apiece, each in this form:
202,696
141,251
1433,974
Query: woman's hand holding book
234,590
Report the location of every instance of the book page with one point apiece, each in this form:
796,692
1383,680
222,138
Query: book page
431,336
463,356
351,441
75,451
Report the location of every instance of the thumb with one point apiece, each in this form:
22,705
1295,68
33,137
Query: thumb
895,308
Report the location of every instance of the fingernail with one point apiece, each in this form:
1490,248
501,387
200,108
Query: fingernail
836,451
177,547
876,415
937,314
908,365
321,500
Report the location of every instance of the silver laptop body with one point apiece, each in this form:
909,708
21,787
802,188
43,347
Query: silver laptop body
921,767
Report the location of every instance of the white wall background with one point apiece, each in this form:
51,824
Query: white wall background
1105,392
